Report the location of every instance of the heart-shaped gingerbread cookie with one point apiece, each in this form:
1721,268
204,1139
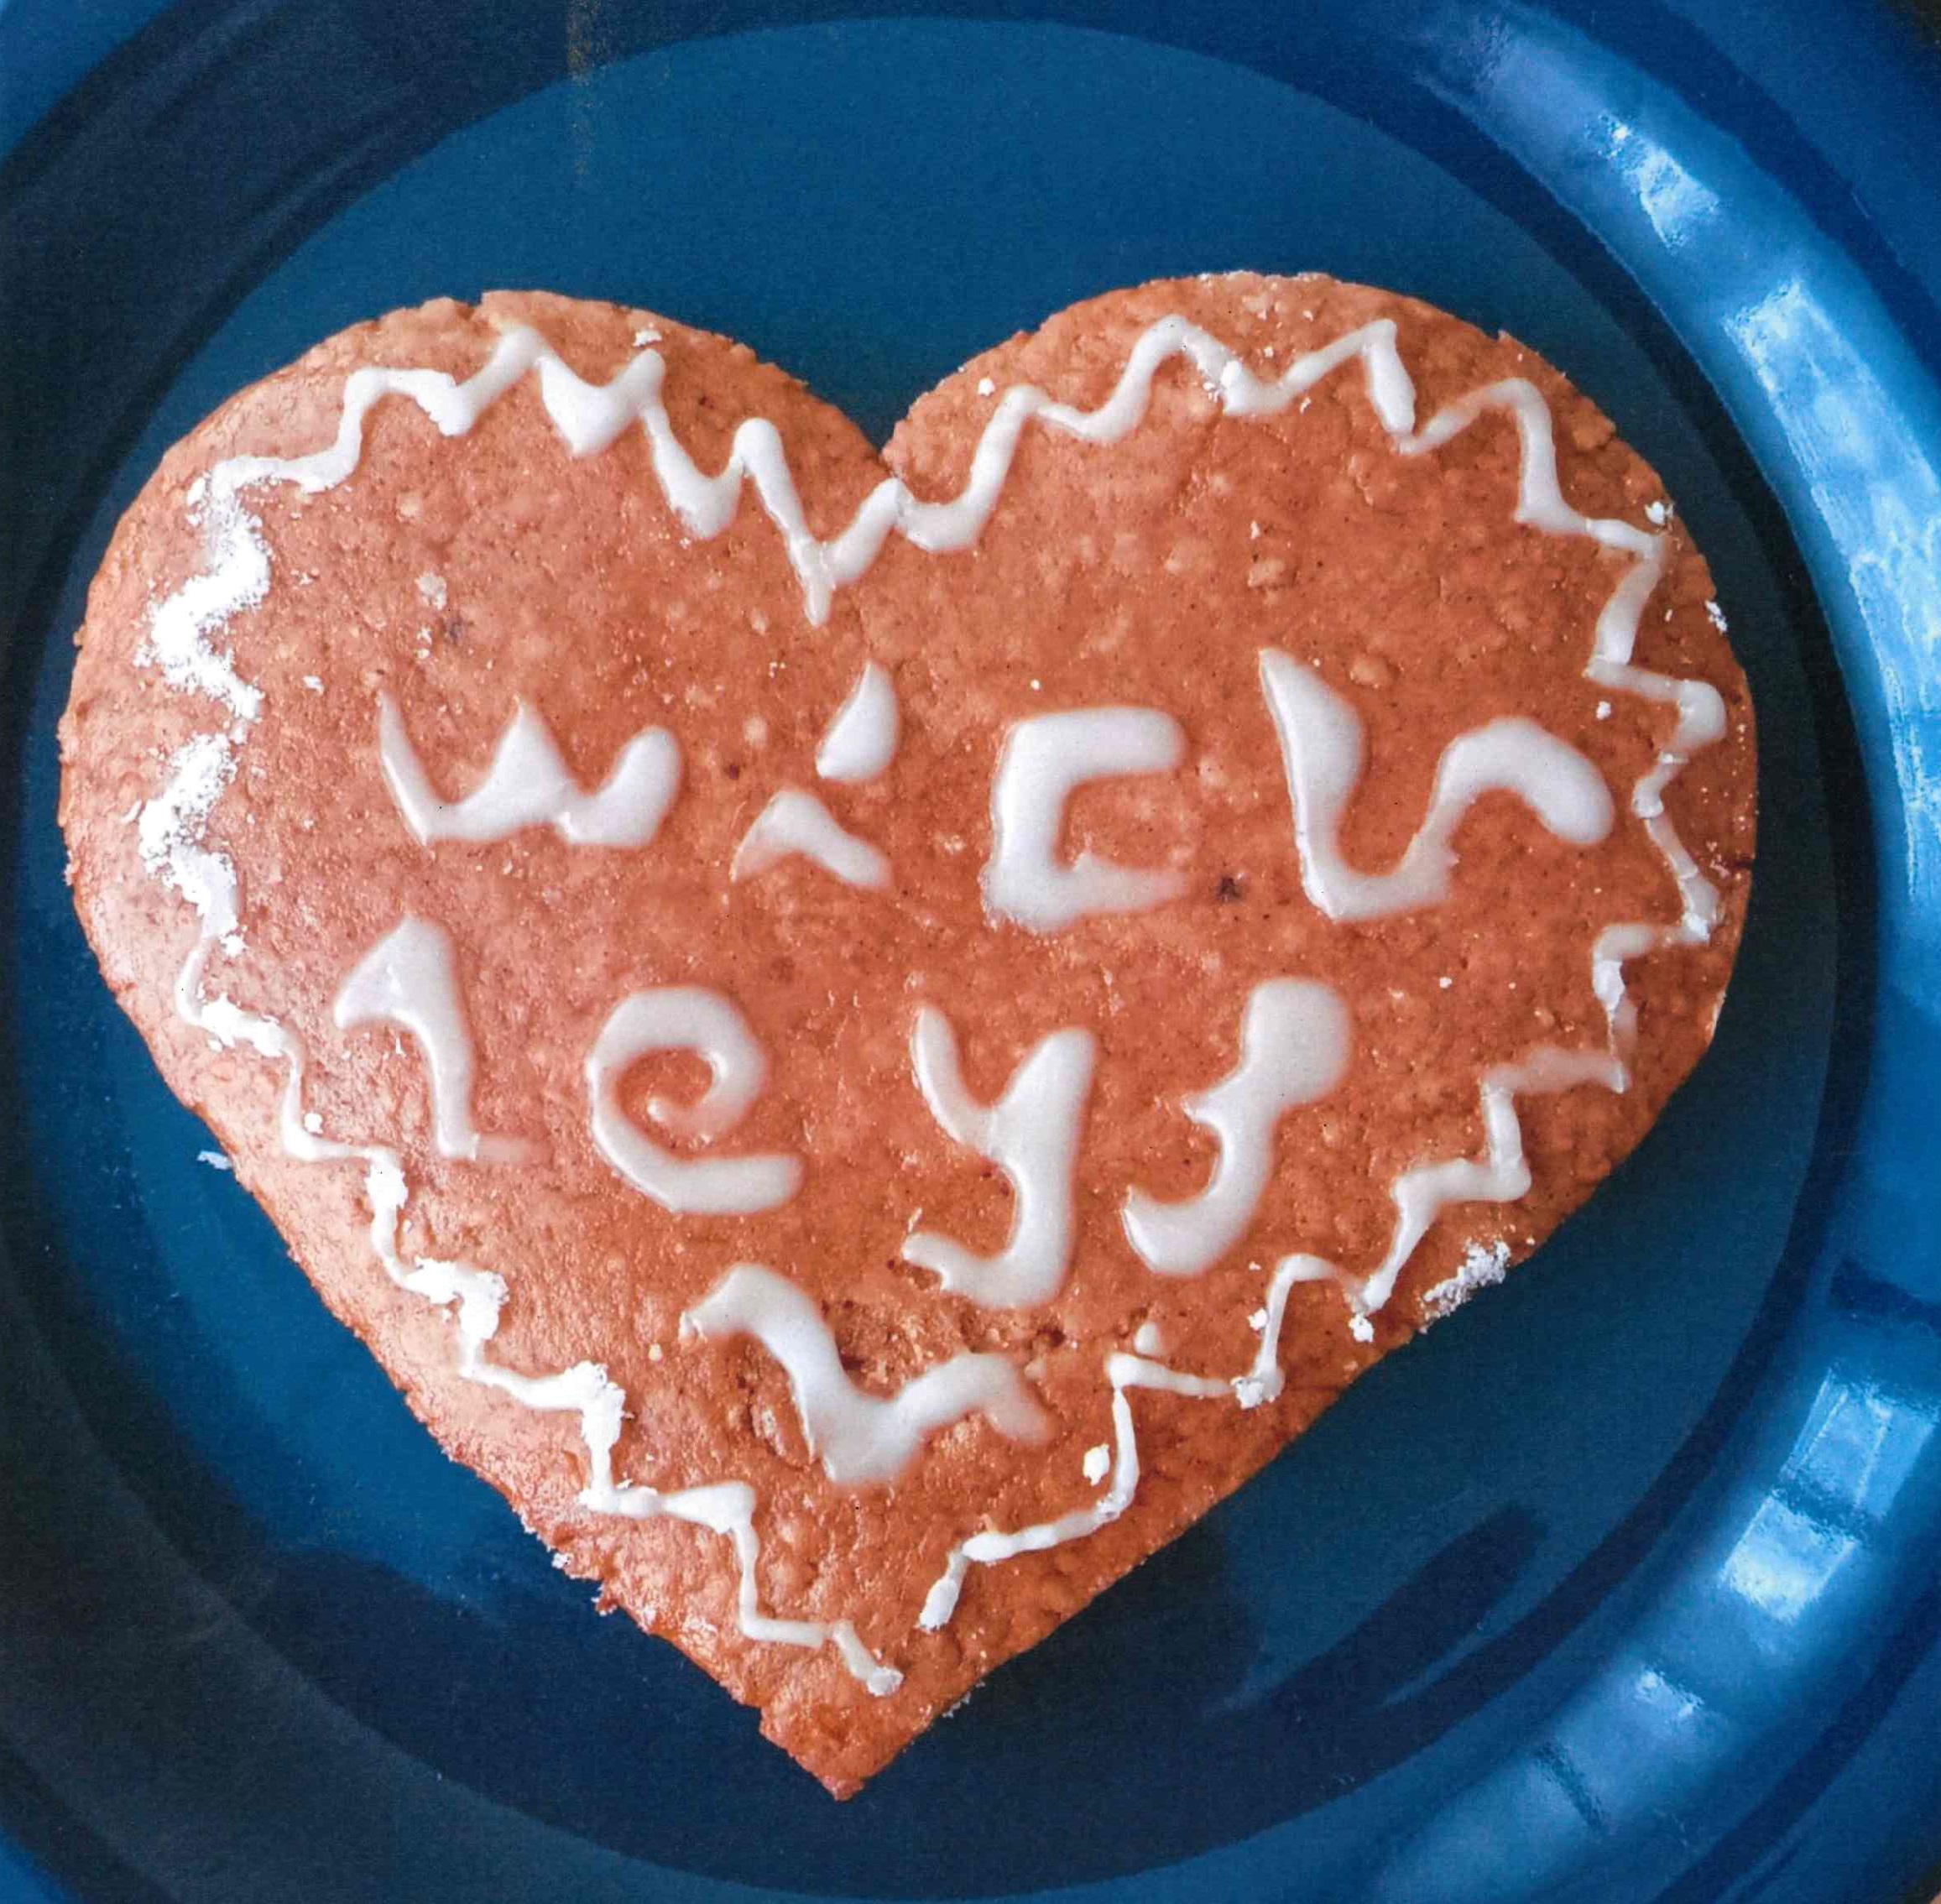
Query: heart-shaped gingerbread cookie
866,1035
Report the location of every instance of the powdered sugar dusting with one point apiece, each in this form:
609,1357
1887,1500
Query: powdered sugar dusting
198,772
235,577
1483,1265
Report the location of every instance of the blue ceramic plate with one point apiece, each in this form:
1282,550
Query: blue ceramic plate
1623,1584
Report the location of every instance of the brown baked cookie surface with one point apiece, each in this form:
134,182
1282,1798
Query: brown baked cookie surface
865,1036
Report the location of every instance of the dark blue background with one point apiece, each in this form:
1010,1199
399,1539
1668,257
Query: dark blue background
1613,1588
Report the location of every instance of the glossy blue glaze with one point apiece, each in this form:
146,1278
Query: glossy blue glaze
1623,1584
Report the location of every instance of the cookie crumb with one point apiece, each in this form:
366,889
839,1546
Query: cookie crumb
1483,1265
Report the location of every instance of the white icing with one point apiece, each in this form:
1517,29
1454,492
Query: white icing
215,1160
1149,1340
1031,1135
796,822
1043,759
529,784
859,1437
1501,1174
861,740
236,575
1322,748
1293,1050
685,1018
1700,723
1701,710
410,978
1097,1463
1262,1382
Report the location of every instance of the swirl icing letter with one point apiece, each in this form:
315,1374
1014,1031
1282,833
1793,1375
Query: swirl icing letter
685,1018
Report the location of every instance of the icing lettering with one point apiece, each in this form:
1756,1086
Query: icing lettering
1322,748
797,822
1293,1050
685,1018
859,1436
1042,760
410,978
1031,1135
861,740
528,785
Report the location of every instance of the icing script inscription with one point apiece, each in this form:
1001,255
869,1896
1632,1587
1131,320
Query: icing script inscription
1031,1135
1293,1043
859,1437
528,785
683,1018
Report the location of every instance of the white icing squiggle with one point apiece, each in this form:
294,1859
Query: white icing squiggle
707,504
1293,1050
1263,1382
529,784
1042,761
861,740
797,822
1322,748
1700,707
859,1437
1031,1135
410,978
686,1018
589,416
235,576
1502,1174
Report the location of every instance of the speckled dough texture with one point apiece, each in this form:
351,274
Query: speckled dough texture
1150,573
